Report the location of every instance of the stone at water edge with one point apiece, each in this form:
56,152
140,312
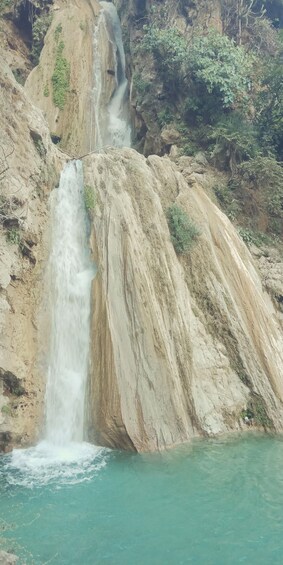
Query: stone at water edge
7,558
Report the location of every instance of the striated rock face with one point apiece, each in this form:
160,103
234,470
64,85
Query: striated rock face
71,29
29,166
71,111
181,345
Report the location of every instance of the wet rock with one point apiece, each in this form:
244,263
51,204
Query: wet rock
8,558
11,383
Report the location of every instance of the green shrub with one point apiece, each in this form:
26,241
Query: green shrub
266,173
184,232
169,49
13,236
39,30
19,76
60,78
165,116
235,141
227,200
46,91
58,32
6,410
222,67
251,237
89,198
141,86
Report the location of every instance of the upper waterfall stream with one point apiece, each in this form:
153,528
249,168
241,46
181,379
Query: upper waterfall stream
111,122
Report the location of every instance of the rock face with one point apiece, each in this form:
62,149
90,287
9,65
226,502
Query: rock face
70,111
29,166
181,345
149,100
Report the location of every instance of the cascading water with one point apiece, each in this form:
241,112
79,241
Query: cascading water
63,453
70,275
112,124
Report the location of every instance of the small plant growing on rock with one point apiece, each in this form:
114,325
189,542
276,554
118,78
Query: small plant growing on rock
13,236
46,91
89,198
183,230
60,78
6,410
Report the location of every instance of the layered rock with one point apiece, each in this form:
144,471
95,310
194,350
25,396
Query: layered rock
181,345
71,117
29,167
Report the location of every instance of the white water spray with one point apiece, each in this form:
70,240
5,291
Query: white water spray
63,455
69,284
111,122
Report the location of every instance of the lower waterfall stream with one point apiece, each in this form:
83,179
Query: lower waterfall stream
63,453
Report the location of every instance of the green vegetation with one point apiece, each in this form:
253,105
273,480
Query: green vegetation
19,76
58,32
251,237
165,116
220,82
89,198
13,236
46,91
169,50
228,200
60,78
141,86
258,410
184,232
39,145
6,410
39,30
235,141
224,93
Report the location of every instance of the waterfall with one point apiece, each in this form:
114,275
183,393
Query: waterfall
63,453
111,122
70,273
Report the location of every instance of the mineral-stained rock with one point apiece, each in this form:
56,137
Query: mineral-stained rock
181,345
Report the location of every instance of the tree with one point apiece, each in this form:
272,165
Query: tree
238,15
235,141
222,67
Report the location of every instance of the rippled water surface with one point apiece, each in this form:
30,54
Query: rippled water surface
212,502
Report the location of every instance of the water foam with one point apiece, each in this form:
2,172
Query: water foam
47,464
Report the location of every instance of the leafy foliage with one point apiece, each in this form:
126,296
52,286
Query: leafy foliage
235,141
184,232
223,68
60,78
269,105
13,236
89,198
267,173
169,49
141,85
39,30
